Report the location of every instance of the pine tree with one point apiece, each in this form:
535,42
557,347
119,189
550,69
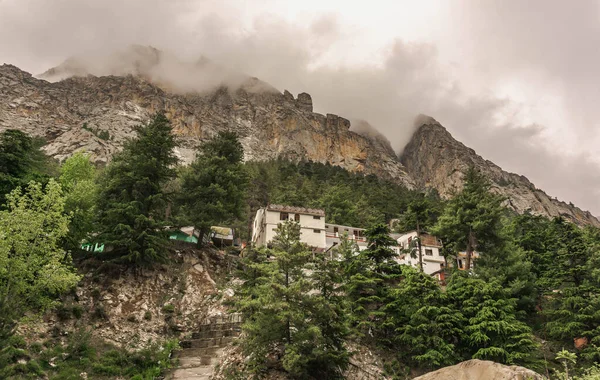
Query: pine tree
291,313
471,220
424,325
132,201
368,279
494,331
213,188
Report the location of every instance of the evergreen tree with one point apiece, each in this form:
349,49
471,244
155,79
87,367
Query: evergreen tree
21,161
493,331
368,279
471,220
419,216
291,313
426,326
213,188
132,201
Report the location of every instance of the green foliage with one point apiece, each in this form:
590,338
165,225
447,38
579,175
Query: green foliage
368,278
493,331
78,181
291,312
351,199
82,353
213,187
425,325
132,201
34,268
471,219
103,135
21,161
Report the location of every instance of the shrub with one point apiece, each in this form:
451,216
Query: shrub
147,315
168,309
77,311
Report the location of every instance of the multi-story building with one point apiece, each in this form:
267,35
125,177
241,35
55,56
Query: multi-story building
333,232
433,261
312,224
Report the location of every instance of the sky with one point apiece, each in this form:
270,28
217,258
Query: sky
518,81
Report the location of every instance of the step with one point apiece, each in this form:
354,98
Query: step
219,326
215,334
191,373
197,352
203,343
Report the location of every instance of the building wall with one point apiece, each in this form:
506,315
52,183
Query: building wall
312,228
431,262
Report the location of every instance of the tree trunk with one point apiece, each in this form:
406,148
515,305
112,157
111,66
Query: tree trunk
201,233
470,249
419,247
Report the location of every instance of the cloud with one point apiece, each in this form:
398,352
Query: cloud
516,84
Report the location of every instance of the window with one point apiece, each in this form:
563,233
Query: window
297,217
336,230
460,264
428,252
284,216
316,217
317,231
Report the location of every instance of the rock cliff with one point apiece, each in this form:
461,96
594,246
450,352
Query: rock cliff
436,160
97,114
481,369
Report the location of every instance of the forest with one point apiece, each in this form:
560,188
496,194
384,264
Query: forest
532,297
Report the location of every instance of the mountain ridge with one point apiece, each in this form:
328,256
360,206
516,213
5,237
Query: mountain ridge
97,114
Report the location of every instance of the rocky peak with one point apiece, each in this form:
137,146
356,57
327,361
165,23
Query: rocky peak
78,113
436,160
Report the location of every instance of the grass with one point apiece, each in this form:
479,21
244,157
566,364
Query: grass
80,354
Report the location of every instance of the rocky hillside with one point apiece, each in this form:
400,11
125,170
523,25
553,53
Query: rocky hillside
75,110
97,114
436,160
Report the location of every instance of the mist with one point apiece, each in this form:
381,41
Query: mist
502,88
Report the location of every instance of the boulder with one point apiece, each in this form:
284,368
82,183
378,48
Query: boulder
481,369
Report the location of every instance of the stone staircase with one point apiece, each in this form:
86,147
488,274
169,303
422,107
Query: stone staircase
204,349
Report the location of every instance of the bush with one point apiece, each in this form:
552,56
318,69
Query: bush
168,309
77,311
99,312
147,315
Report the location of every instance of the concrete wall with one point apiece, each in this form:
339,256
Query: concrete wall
312,228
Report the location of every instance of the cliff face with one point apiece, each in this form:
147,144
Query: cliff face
97,114
436,160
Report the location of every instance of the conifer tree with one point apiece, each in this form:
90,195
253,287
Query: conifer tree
213,187
471,219
493,331
368,279
425,325
132,201
291,313
418,216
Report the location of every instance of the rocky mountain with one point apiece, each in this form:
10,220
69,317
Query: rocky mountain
436,160
97,114
93,104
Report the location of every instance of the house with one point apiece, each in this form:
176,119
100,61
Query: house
433,261
184,234
312,224
333,232
461,260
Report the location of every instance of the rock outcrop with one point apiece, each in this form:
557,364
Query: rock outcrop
481,369
97,114
436,160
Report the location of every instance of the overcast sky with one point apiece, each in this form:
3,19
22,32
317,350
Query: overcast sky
518,81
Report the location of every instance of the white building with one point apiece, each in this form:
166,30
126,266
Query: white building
333,233
312,224
433,260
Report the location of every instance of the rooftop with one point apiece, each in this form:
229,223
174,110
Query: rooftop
297,210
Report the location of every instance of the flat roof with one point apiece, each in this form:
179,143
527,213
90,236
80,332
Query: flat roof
296,210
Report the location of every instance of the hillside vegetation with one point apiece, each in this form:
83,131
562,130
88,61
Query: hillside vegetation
532,297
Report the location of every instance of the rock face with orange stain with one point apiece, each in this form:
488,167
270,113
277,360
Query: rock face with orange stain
97,114
436,160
